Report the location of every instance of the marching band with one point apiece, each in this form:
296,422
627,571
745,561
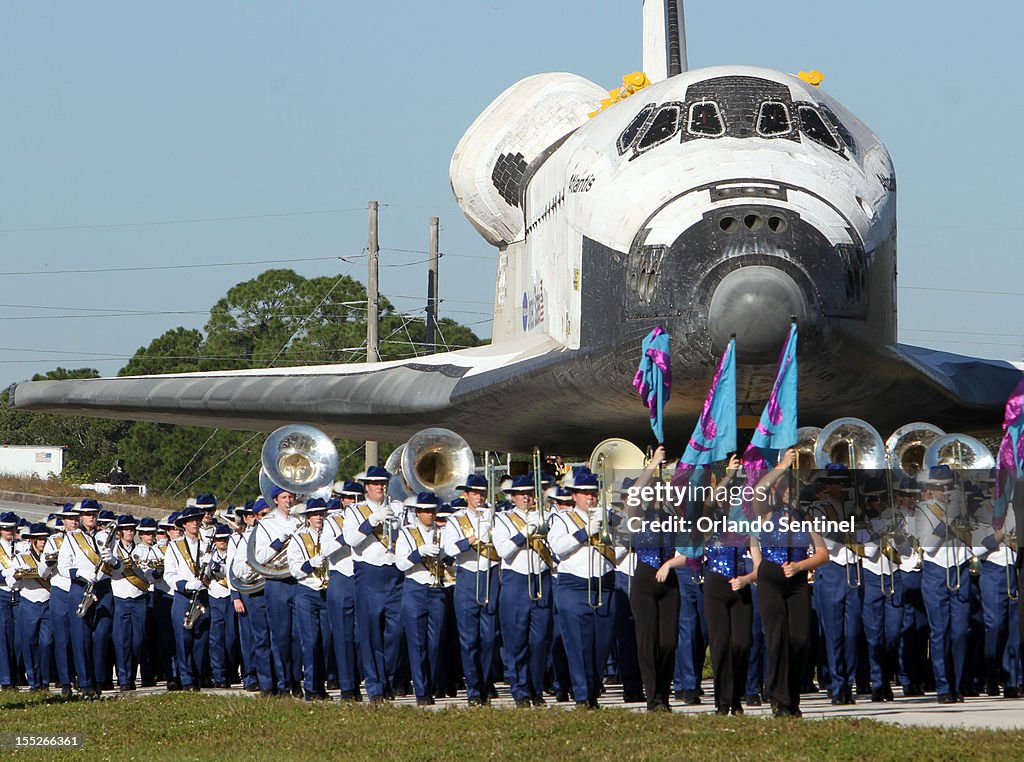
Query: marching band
358,594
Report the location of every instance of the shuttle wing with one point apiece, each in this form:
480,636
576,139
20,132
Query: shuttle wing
358,400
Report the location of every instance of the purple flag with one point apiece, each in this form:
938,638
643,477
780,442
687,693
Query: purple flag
653,378
1010,462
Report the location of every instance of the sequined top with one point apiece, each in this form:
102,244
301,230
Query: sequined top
779,545
653,548
726,559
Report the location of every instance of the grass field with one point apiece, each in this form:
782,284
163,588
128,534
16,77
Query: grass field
181,726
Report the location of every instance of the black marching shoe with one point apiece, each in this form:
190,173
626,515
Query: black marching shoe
561,697
946,698
523,703
752,699
634,698
877,695
65,691
475,701
1011,692
887,692
690,698
722,711
538,700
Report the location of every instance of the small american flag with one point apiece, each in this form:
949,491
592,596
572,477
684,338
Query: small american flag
44,457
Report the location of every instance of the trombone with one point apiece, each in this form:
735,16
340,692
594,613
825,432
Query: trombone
481,547
534,585
887,542
604,538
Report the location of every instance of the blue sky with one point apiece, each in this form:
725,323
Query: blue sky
292,116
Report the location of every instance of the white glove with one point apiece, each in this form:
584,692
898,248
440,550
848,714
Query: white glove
485,533
532,522
594,525
193,585
379,516
316,561
9,577
429,550
107,555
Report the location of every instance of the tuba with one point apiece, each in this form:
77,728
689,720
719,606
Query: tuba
298,458
806,438
961,453
435,460
858,445
907,445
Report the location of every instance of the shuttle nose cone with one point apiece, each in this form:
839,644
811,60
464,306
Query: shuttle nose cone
757,304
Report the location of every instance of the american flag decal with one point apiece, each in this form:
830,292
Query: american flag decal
44,457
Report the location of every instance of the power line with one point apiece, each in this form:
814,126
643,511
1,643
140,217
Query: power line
87,271
962,291
181,221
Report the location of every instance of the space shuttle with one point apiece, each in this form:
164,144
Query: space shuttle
711,202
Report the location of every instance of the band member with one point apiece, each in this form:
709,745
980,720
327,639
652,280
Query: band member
947,547
87,564
185,567
341,593
418,554
836,590
252,609
781,561
308,565
586,579
914,668
369,529
881,591
996,547
60,586
561,500
163,600
728,603
31,580
8,656
526,597
222,615
130,585
273,534
207,503
151,560
467,539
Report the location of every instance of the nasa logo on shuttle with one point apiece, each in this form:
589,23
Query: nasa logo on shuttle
533,307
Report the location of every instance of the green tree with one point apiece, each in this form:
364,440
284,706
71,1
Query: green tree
176,351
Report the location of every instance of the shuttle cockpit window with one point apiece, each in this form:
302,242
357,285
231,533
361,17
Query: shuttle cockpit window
772,119
628,136
844,134
812,125
664,125
705,120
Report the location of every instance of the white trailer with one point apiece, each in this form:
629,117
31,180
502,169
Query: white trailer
31,460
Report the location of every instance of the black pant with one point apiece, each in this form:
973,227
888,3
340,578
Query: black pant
730,617
656,612
784,604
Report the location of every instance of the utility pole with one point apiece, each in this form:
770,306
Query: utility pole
372,340
432,288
